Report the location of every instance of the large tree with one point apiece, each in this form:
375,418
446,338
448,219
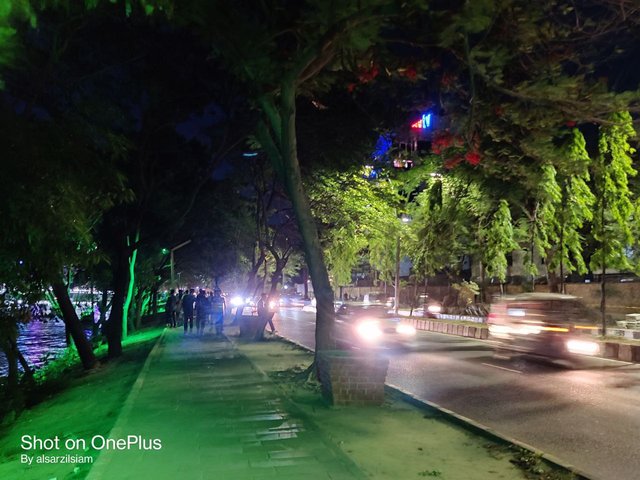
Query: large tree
279,51
573,210
613,209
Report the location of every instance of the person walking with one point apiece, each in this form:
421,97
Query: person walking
209,310
179,315
188,303
201,311
265,313
170,308
218,310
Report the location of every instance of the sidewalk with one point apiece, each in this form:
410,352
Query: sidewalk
217,418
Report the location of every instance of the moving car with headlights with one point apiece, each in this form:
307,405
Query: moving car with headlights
291,300
427,307
546,324
372,326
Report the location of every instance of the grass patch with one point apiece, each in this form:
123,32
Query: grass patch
69,402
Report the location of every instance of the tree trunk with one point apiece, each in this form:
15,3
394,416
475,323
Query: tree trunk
483,284
67,335
14,393
396,286
251,275
250,285
23,361
137,317
121,282
104,306
126,321
73,325
311,243
154,301
554,281
562,286
603,296
276,276
305,282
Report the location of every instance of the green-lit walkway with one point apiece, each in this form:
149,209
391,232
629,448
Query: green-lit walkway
217,418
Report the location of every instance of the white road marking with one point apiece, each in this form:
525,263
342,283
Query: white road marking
502,368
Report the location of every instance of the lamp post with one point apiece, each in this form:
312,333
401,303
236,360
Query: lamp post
171,261
405,219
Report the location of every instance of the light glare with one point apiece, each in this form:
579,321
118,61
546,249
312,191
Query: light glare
583,347
237,301
404,329
369,331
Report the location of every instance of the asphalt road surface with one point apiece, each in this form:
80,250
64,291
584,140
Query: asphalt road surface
586,416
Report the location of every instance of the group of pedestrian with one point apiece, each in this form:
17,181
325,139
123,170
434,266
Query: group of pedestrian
207,308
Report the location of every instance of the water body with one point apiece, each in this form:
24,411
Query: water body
39,342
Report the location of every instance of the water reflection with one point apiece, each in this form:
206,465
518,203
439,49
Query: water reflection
38,341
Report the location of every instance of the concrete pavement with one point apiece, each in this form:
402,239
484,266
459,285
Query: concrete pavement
217,417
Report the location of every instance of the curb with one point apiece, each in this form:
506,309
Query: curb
471,424
97,470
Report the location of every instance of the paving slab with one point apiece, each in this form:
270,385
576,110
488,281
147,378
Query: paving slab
217,418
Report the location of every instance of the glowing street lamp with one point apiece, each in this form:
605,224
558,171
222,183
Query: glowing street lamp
404,219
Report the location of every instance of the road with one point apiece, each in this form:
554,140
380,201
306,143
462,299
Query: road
588,417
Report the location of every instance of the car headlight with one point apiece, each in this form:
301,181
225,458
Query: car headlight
237,301
583,347
273,304
369,331
404,329
500,331
434,308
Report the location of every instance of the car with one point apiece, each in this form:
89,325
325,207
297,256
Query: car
379,298
372,327
544,324
427,307
291,300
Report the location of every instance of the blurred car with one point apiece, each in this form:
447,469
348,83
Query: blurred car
379,298
546,324
291,300
427,307
372,327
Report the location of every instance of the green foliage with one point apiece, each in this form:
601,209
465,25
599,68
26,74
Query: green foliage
614,209
573,208
499,241
533,228
446,215
51,210
474,17
56,371
359,216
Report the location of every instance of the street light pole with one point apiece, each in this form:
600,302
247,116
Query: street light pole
172,272
171,261
404,219
396,300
